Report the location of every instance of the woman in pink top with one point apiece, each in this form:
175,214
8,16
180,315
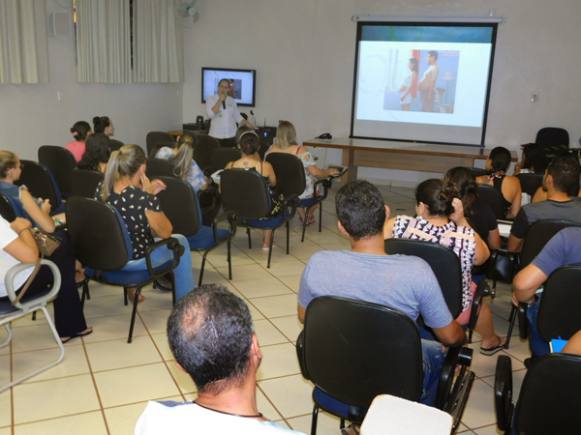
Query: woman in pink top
81,130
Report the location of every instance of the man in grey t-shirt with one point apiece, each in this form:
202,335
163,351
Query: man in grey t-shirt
367,273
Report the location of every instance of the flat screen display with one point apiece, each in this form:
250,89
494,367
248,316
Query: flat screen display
243,82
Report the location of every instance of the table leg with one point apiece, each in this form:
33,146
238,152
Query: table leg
348,160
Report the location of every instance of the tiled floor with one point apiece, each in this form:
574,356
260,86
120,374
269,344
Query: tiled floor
104,383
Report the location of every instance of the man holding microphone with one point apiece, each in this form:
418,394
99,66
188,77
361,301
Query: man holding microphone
223,112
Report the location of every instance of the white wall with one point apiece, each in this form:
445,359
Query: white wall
31,116
303,51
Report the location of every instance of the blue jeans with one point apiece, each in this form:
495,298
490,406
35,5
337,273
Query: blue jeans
433,360
539,347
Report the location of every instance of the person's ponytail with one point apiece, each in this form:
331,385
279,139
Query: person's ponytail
111,175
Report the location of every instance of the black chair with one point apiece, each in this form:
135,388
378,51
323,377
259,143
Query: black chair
290,179
159,168
157,139
354,350
535,240
221,157
61,163
530,182
478,172
40,184
247,202
101,243
560,305
493,198
85,182
446,267
180,204
551,136
204,147
548,400
6,209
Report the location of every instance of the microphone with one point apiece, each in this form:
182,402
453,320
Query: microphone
224,104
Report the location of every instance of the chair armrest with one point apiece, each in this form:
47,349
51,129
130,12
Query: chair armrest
455,356
172,245
326,183
300,347
503,393
522,320
503,265
13,273
482,290
290,204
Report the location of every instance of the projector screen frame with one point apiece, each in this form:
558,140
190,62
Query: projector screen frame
253,71
437,22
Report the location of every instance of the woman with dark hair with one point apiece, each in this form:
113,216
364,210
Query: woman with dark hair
102,124
440,219
80,130
507,185
249,145
127,188
97,153
480,216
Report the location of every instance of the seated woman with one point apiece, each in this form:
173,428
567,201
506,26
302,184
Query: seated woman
286,142
127,189
97,154
103,126
479,214
185,166
69,318
249,145
80,130
440,219
507,185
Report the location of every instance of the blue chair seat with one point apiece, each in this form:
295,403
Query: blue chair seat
6,306
330,404
265,223
134,272
308,202
204,238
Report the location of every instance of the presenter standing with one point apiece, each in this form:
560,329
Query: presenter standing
428,82
223,112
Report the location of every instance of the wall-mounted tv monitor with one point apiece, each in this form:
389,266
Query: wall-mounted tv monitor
243,83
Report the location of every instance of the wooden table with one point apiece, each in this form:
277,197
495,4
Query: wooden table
410,156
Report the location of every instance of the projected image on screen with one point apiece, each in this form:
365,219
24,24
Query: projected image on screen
422,82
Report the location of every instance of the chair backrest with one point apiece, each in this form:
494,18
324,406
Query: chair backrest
61,163
221,157
245,193
549,397
204,146
537,237
478,172
159,168
356,350
85,182
6,209
98,236
444,263
530,182
39,182
493,198
561,304
157,139
290,173
552,136
179,203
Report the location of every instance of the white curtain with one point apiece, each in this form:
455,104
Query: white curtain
157,42
103,41
23,42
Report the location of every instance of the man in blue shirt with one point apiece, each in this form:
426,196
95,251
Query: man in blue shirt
367,273
562,250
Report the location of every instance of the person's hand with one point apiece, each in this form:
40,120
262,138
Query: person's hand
457,215
515,301
152,187
20,224
222,97
45,206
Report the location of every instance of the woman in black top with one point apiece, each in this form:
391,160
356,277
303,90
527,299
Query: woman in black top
478,213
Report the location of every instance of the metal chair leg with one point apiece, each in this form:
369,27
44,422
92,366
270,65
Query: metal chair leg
304,226
8,329
314,420
34,315
125,300
287,237
249,238
134,311
229,247
511,322
320,217
202,268
270,249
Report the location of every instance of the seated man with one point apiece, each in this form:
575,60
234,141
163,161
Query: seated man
211,336
561,250
561,181
367,273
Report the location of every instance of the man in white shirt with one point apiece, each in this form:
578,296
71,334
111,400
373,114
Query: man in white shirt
210,333
428,82
223,112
